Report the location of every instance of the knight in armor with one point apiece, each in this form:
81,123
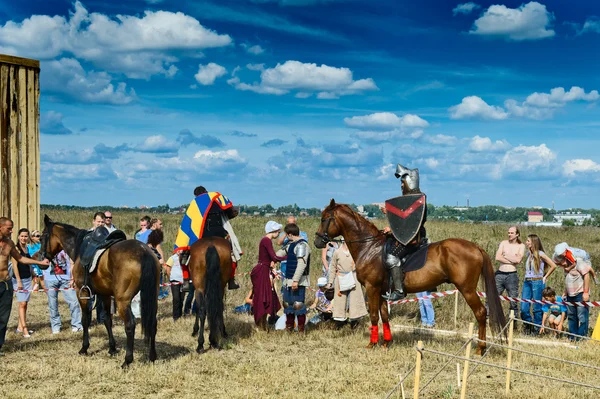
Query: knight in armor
296,277
395,250
215,223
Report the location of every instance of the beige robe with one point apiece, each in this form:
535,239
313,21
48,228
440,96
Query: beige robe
351,304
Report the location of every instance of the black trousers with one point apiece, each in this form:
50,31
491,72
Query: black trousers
178,294
189,307
6,300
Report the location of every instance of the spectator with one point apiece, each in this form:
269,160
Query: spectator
555,314
265,301
510,254
155,239
108,222
326,255
25,272
144,231
98,222
59,279
8,249
323,306
426,309
577,286
353,300
536,275
33,248
175,277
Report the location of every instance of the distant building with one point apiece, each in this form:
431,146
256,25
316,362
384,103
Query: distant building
535,217
576,217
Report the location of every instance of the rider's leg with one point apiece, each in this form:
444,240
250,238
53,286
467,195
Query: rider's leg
232,285
398,293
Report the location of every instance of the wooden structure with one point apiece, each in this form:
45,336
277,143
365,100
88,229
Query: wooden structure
20,141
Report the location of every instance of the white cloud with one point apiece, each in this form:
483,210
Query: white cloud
592,24
256,67
136,46
67,76
371,137
441,139
485,144
256,49
530,21
57,172
558,97
528,161
465,8
385,120
207,74
156,144
475,107
308,78
51,122
574,166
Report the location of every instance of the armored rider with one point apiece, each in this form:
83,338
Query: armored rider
414,216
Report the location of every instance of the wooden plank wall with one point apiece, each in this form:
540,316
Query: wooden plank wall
19,141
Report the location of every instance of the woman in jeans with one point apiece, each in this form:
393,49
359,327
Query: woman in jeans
536,276
26,276
510,254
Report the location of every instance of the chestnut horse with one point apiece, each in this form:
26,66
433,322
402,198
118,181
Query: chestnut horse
454,260
126,268
210,268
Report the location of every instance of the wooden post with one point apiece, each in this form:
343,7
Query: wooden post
463,391
510,343
418,369
455,309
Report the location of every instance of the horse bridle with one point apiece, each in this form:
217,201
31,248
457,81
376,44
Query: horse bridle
326,239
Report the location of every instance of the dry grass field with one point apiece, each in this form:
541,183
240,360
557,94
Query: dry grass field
323,363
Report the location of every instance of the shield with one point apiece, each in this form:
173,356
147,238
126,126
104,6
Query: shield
405,215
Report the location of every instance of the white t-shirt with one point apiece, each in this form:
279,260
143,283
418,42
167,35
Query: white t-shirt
176,272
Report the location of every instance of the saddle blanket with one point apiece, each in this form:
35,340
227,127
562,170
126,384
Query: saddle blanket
416,260
96,258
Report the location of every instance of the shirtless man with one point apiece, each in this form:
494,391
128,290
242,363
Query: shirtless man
8,250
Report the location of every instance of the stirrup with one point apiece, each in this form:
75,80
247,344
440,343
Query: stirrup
89,290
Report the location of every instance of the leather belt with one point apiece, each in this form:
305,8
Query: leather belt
534,278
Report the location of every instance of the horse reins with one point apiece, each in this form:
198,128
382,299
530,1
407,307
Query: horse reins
325,236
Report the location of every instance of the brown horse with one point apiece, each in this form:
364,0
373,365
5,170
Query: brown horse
126,268
454,260
210,268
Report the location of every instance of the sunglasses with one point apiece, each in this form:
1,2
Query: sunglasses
108,217
36,236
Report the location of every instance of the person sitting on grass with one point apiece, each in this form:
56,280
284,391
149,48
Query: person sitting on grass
246,307
321,304
554,313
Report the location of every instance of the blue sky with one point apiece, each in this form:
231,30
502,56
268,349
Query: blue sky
283,101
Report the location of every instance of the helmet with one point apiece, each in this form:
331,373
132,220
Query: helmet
410,177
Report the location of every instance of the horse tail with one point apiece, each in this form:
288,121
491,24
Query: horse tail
496,314
214,293
149,295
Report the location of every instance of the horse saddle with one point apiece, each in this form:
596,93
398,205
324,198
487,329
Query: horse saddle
95,243
409,257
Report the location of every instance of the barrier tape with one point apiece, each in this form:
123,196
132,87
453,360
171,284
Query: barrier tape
434,295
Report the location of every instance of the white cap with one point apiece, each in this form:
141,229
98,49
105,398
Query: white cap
272,226
560,249
321,282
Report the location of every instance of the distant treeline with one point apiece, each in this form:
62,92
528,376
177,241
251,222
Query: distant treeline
487,213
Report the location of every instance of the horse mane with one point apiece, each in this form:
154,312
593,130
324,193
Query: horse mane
358,218
74,232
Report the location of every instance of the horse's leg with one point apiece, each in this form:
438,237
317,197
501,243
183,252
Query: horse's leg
200,316
112,345
125,313
480,314
85,323
373,293
385,320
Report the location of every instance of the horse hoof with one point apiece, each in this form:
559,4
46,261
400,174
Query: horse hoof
125,365
200,351
386,344
371,345
113,352
195,334
83,352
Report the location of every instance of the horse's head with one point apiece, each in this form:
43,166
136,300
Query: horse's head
329,228
50,243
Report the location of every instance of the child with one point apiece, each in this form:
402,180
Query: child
247,306
555,314
321,304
